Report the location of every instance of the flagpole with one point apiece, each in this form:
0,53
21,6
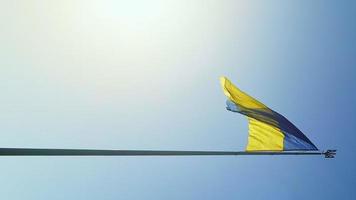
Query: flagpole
101,152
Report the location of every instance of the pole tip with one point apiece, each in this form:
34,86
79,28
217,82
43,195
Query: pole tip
330,153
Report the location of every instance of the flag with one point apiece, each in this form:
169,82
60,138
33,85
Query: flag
268,130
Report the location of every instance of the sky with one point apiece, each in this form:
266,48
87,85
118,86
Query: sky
144,75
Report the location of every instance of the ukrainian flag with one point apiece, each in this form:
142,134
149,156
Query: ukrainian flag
268,130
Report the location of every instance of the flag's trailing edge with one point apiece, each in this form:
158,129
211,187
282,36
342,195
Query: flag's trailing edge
268,130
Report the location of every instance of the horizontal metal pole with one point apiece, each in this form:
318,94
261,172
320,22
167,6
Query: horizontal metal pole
94,152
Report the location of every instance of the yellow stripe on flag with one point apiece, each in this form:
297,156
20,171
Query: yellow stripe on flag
263,137
239,97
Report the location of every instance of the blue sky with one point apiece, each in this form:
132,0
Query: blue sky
145,75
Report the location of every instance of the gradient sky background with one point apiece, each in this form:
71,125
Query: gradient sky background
144,75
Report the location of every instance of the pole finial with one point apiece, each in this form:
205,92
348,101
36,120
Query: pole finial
330,153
